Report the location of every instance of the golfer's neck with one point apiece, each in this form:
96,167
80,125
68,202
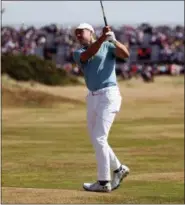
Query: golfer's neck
90,42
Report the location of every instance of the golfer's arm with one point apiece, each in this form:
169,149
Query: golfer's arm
121,50
92,50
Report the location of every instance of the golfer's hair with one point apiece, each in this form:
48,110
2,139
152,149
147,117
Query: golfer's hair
94,38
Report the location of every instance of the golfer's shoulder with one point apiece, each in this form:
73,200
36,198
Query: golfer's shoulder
78,51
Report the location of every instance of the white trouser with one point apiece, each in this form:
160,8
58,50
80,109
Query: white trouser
102,107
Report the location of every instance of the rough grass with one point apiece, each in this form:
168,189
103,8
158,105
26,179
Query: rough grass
47,155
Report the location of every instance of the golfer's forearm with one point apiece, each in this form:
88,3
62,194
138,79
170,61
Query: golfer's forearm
121,50
92,50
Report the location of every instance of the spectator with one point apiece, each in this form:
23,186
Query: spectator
166,45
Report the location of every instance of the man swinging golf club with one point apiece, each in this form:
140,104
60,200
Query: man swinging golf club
97,59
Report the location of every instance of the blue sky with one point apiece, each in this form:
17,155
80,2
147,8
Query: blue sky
75,12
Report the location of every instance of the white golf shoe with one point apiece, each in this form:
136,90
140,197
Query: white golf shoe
96,187
118,177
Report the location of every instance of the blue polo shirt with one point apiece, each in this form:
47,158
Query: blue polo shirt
99,71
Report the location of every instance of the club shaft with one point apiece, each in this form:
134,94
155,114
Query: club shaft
104,17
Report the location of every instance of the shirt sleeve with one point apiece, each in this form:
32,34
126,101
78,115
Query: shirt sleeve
111,48
76,57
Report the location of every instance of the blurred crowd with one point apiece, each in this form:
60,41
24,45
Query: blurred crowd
160,48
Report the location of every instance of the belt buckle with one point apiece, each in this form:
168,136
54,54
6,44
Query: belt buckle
94,93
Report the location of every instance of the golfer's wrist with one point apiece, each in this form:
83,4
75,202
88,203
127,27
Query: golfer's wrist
114,41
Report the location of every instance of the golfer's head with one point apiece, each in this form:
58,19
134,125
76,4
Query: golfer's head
84,33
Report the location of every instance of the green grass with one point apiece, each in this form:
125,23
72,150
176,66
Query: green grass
48,149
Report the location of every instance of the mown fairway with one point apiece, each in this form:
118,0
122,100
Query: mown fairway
47,155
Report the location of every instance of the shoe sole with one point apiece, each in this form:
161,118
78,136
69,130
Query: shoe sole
97,190
124,176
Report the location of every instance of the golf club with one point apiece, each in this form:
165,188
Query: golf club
105,19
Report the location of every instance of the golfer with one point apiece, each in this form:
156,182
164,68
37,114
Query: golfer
97,60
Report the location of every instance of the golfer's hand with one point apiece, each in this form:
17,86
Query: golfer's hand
106,29
111,36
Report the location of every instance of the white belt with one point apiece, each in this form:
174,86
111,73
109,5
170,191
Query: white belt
103,90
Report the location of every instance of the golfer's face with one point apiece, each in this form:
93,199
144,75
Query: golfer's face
83,35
